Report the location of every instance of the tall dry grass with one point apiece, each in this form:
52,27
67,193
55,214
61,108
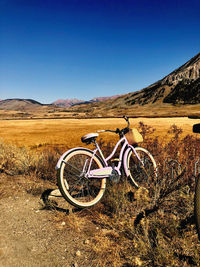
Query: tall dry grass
153,227
22,161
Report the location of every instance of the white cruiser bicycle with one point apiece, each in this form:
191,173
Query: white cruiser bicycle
82,173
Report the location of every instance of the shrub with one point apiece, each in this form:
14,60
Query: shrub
144,227
153,227
22,161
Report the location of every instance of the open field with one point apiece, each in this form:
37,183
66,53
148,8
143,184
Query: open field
67,132
128,227
105,109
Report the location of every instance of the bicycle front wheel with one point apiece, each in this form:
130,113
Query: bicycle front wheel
143,171
75,187
197,205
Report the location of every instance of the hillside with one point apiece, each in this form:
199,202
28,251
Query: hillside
176,94
182,86
19,104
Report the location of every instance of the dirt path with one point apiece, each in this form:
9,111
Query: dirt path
29,235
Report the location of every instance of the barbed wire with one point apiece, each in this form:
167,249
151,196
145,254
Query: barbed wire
173,167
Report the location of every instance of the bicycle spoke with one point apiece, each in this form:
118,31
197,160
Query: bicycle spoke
143,171
77,189
75,168
74,185
88,189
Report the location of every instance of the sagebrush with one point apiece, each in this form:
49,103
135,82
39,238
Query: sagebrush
144,227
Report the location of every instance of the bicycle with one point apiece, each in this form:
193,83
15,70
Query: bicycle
196,129
82,173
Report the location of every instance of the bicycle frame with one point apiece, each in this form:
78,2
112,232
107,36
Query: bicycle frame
83,173
106,171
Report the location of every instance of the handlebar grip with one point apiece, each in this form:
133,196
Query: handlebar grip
101,131
125,117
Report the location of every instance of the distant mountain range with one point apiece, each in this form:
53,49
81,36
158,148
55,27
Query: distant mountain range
20,104
181,87
73,102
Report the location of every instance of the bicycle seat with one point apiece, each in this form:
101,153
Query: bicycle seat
89,138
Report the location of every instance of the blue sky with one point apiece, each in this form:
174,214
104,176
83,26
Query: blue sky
89,48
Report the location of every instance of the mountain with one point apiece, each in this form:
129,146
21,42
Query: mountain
177,94
67,102
19,104
166,97
73,102
182,86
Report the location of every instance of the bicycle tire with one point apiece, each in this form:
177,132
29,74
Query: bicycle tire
78,190
197,205
141,174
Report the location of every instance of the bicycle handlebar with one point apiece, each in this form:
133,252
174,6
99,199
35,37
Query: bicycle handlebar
103,131
127,120
118,131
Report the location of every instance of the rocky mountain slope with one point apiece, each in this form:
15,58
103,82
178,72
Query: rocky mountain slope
182,86
166,97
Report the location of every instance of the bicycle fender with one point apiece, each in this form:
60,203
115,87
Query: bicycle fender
58,165
127,172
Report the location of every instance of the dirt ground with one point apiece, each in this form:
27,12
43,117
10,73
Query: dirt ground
33,236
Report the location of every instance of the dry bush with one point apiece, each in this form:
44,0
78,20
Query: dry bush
22,161
2,189
153,227
142,231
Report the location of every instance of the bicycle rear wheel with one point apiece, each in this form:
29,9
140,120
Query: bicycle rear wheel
75,187
143,172
197,205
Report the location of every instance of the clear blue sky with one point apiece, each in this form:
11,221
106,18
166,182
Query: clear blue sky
88,48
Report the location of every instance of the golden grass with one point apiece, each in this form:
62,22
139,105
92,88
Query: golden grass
67,132
129,227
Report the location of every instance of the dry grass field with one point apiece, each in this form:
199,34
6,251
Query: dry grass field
65,133
129,227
